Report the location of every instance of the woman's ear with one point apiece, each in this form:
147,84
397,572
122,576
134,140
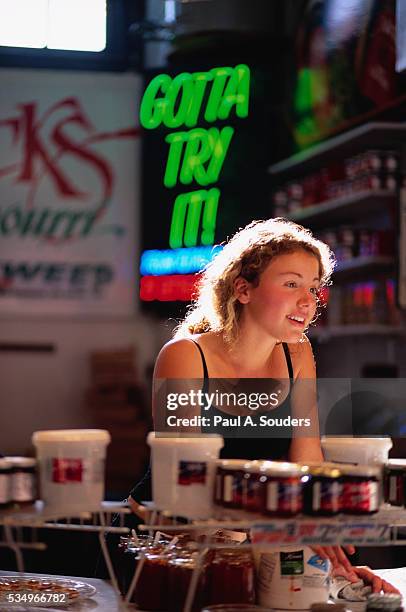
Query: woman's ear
242,290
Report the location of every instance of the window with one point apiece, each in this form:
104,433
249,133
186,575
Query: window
76,25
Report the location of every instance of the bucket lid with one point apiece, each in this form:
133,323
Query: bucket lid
172,438
348,441
71,435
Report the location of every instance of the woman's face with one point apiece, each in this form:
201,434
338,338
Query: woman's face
285,300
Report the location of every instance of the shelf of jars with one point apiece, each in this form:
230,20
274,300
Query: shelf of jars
385,527
342,331
344,209
374,135
372,265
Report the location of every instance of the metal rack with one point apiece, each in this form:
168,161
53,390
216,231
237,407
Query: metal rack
381,529
37,517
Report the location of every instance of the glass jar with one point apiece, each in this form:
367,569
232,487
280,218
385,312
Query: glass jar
283,488
394,482
254,487
151,591
229,482
181,568
359,489
321,490
5,483
23,480
231,577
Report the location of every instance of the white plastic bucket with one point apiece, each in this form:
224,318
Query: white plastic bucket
292,578
71,468
365,451
183,471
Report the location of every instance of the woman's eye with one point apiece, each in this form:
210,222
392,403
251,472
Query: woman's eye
291,284
314,290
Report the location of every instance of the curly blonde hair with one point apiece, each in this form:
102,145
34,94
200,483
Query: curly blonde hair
247,254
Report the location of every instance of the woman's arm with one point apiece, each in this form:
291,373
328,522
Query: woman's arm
305,445
178,361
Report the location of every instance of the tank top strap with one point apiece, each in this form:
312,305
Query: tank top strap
288,361
205,370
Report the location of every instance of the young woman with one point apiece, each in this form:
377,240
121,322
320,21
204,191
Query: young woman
256,299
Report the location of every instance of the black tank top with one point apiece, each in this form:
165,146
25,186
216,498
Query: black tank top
269,446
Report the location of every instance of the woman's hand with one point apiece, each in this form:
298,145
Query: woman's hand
139,510
341,566
378,584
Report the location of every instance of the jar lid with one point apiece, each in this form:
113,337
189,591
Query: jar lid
71,435
22,462
321,469
233,464
280,468
5,464
359,470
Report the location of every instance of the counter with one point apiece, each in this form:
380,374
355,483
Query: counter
106,600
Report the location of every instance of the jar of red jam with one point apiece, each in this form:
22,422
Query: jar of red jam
181,568
359,489
23,480
151,591
283,488
231,577
229,482
321,490
254,487
394,482
5,483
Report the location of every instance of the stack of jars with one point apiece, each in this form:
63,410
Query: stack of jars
395,482
282,489
226,575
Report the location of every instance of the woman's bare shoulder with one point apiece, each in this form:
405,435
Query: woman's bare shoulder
179,358
302,358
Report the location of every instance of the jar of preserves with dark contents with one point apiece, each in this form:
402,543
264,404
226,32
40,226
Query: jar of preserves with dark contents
229,482
321,490
283,488
5,483
254,487
394,482
231,577
359,489
151,591
23,479
181,568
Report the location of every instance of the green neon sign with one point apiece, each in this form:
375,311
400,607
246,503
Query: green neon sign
177,102
201,147
187,216
196,155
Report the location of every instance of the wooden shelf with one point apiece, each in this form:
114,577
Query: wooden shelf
376,135
345,208
344,331
363,267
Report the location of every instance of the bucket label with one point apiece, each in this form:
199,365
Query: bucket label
192,472
319,563
292,563
67,470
